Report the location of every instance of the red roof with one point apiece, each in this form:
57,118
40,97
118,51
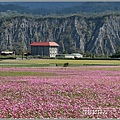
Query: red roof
44,44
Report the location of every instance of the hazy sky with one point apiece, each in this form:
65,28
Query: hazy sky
58,0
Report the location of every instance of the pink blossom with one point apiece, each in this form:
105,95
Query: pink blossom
72,92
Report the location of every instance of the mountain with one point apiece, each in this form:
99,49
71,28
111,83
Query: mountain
44,5
92,7
96,33
41,8
60,8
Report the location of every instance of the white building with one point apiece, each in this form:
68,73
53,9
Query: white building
44,49
77,55
71,56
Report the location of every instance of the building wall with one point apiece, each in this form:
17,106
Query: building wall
40,50
53,51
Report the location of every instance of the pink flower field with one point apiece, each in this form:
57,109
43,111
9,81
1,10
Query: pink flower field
60,92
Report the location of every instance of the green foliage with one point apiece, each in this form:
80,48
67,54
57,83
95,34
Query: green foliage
118,50
64,52
24,73
49,62
117,53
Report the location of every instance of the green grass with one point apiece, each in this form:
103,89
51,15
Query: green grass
24,73
53,62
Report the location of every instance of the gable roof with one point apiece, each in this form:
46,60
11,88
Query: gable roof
44,44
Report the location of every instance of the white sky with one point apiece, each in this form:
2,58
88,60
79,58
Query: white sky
59,0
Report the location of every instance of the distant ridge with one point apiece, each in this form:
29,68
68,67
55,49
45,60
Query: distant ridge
47,8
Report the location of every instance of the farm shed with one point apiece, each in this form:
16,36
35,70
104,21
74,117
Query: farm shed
7,53
71,56
49,49
77,55
68,56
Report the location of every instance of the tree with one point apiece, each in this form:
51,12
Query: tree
64,52
117,54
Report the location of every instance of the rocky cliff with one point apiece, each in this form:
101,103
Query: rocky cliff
74,33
